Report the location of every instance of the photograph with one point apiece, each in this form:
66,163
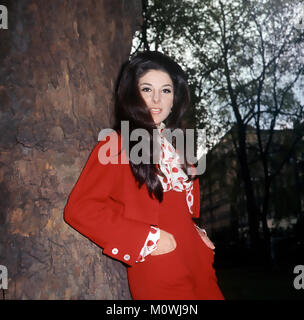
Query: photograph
152,155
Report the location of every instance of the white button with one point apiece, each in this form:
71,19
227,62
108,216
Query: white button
115,251
127,257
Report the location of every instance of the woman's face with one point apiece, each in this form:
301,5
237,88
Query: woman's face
156,88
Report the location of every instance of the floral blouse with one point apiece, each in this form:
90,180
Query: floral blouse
175,179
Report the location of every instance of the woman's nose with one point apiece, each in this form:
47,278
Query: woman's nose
155,97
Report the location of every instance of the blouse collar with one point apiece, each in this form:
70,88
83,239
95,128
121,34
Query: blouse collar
160,127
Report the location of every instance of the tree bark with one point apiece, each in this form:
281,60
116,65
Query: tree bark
59,61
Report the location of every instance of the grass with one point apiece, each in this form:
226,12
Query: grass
254,283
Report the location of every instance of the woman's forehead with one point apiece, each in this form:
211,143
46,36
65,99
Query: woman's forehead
156,76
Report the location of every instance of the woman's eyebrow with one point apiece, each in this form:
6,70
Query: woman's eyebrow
149,84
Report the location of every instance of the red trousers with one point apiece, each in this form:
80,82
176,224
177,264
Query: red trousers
185,273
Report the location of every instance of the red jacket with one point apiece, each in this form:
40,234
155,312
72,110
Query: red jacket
107,207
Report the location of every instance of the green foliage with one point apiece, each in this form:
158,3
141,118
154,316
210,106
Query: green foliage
242,58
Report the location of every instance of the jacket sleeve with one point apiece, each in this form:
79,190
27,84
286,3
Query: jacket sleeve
197,199
93,212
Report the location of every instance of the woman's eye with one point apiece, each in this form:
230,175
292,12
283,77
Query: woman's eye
145,89
167,90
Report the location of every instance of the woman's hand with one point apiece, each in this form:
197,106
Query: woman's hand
165,244
205,238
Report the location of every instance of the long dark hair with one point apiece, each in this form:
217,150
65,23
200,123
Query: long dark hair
130,106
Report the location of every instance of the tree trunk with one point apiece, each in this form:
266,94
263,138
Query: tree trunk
239,138
266,232
251,203
59,61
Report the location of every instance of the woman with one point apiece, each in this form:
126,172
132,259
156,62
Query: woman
140,212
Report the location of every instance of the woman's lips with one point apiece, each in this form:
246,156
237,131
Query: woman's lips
155,110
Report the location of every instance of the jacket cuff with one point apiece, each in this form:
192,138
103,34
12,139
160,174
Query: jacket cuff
128,247
200,229
150,244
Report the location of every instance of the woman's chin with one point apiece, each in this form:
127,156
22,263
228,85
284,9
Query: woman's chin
158,119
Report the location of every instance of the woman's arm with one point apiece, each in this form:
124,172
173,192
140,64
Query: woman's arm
93,212
196,214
